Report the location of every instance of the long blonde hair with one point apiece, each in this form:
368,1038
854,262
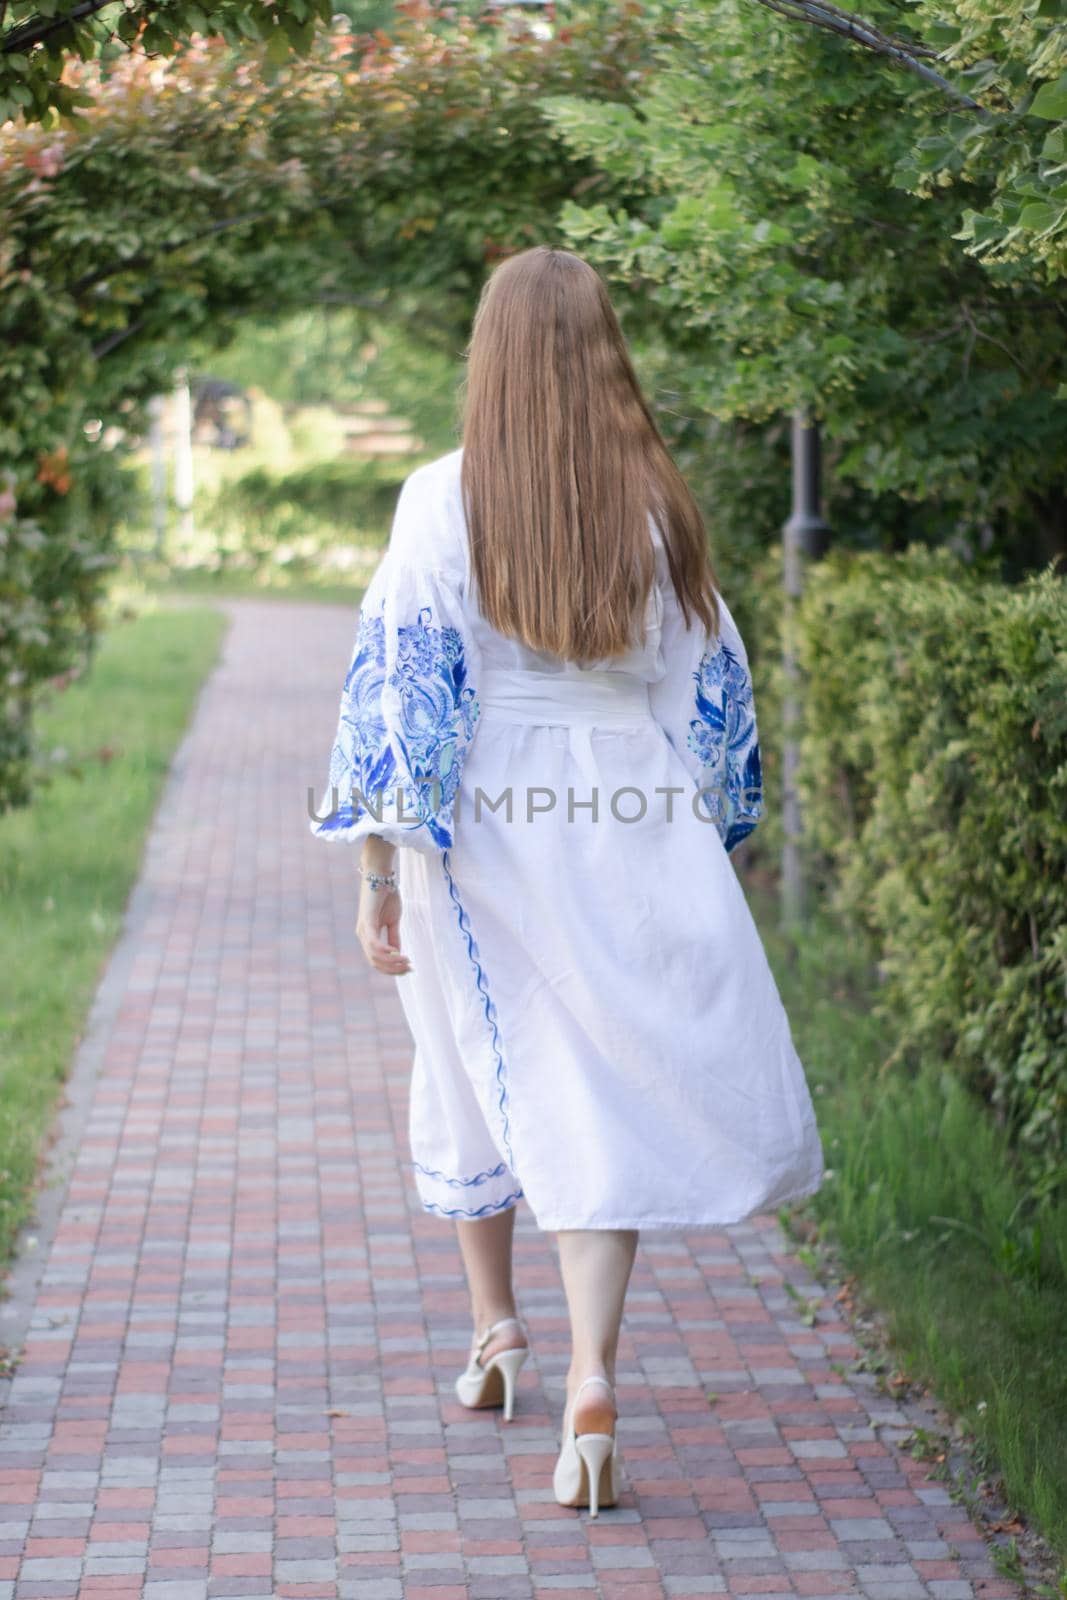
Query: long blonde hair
562,466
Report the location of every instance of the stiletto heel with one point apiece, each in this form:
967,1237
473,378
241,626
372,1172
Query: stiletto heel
595,1450
510,1364
495,1381
586,1472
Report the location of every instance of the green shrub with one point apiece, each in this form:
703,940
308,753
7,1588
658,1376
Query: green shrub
933,776
357,497
56,551
300,521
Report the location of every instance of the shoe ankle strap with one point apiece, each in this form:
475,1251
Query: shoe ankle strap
493,1328
595,1377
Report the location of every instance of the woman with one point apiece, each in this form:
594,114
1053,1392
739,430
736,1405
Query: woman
547,749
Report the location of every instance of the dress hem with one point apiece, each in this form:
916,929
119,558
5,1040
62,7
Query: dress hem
468,1215
634,1223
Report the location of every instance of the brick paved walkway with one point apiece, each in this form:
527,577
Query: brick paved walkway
238,1374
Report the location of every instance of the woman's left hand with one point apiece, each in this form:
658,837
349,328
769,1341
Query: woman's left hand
378,930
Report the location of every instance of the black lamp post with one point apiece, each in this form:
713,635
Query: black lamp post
805,537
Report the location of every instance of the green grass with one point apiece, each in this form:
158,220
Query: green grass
68,861
928,1207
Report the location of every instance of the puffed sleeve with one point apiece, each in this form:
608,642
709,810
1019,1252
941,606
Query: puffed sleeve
705,705
408,706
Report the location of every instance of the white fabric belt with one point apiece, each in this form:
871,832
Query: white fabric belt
595,696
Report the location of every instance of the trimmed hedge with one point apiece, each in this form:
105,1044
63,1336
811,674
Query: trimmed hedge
303,515
933,777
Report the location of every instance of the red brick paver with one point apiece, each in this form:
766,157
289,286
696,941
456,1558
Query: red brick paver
237,1380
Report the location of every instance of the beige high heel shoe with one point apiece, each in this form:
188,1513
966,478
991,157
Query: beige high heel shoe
587,1471
495,1381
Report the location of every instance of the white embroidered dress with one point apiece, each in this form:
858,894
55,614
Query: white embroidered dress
595,1023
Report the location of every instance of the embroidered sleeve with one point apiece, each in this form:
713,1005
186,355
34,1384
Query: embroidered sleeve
407,715
706,706
724,738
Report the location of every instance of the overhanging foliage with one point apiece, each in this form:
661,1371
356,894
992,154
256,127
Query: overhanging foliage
195,191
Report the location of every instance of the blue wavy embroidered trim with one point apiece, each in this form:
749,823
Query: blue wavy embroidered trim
482,1211
462,1183
487,1004
723,737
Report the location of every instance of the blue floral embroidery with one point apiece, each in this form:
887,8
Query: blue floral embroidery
723,738
410,769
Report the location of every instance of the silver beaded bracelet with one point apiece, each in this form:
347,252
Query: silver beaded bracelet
378,880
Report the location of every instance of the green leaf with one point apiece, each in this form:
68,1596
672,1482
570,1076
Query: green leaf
1050,101
1041,217
279,49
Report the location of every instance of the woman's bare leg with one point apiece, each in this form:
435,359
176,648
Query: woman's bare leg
485,1244
596,1264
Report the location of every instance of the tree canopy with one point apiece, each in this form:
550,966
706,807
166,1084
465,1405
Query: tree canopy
790,215
39,39
778,238
193,191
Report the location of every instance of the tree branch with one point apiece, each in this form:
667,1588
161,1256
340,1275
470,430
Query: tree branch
909,46
980,333
822,14
113,340
133,263
20,40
